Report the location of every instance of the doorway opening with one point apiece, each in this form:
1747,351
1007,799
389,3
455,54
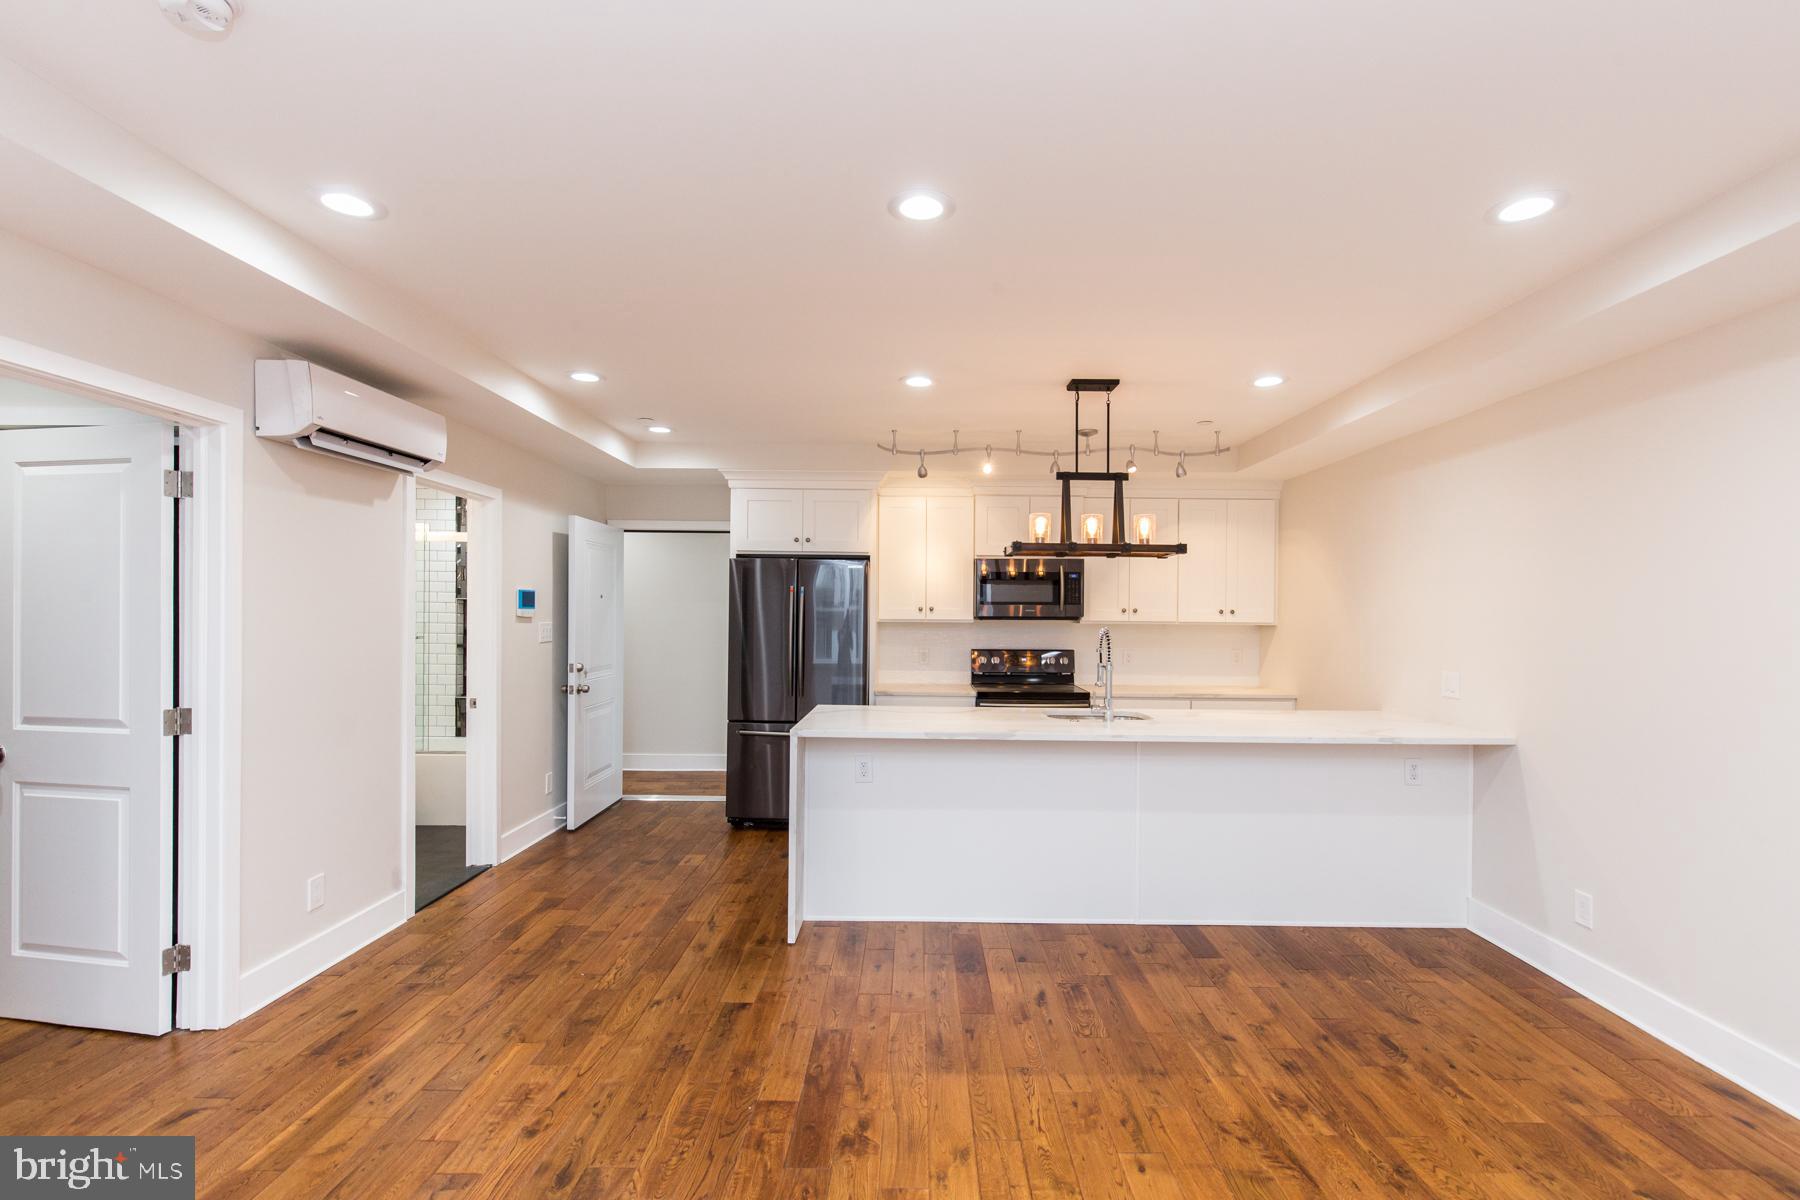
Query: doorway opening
676,620
453,739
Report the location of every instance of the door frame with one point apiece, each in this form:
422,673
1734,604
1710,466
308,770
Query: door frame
481,670
212,667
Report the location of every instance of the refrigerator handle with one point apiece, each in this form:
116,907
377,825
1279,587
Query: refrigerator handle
800,669
790,629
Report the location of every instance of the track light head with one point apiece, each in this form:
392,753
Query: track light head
922,471
1181,465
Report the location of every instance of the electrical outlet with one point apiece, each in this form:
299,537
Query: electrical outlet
1128,658
865,768
315,893
1413,771
921,656
1452,685
549,781
546,634
1237,656
1584,909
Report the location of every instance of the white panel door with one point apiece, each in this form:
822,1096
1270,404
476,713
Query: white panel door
596,686
1153,581
900,561
86,795
836,522
1205,566
950,558
766,520
1252,533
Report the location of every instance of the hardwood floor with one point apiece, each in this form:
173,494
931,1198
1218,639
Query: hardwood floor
674,783
614,1014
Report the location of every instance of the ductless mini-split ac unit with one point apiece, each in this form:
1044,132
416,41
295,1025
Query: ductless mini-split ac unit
320,410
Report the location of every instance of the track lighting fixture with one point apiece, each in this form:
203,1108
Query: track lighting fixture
1181,465
1131,461
922,471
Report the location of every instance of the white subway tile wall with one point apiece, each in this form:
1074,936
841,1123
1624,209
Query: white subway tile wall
441,622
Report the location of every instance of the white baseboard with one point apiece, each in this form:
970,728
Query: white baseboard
288,970
674,762
1747,1063
531,831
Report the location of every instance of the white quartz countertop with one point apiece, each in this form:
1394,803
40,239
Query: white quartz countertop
1301,727
1148,691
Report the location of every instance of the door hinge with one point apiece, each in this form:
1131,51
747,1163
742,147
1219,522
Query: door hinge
178,485
177,721
177,959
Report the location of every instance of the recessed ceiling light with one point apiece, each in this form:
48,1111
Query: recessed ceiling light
1268,381
584,377
658,429
917,381
921,205
349,204
1525,208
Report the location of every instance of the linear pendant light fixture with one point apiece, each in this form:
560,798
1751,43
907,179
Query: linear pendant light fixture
1120,547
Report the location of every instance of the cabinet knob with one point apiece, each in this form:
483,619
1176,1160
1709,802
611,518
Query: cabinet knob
921,608
1234,612
796,539
933,608
809,539
1221,612
1134,610
1121,610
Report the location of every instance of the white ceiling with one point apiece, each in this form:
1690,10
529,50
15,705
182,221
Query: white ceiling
691,199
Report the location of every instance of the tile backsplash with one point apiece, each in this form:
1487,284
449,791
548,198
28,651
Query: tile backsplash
916,652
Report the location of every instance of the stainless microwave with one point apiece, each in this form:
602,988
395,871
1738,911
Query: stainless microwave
1028,589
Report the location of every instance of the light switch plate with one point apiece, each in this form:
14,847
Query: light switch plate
315,893
1584,909
549,781
1452,685
545,633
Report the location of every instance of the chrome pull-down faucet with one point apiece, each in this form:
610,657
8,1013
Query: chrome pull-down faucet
1103,668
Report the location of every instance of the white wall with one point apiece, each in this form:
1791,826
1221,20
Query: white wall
669,502
676,624
1611,565
325,552
909,652
321,762
538,500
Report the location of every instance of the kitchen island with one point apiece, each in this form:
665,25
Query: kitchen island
1182,817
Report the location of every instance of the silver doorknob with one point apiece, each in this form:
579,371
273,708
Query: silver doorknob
577,668
582,689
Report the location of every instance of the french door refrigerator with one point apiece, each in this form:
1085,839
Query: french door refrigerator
799,638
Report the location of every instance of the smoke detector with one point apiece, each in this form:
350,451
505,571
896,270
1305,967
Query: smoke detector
202,18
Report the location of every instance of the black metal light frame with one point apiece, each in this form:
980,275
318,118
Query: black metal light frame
1119,547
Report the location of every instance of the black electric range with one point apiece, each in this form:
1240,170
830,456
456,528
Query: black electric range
1025,678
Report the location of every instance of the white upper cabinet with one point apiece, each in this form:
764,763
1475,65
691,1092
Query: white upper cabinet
1204,567
1153,581
801,521
900,559
1252,535
836,522
926,562
999,522
766,520
950,558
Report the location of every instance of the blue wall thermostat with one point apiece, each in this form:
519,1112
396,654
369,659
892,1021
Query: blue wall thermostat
528,602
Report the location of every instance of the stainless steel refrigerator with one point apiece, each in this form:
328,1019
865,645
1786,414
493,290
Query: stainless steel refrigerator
799,638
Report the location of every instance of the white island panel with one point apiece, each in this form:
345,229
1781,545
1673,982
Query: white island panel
1303,835
1183,818
970,832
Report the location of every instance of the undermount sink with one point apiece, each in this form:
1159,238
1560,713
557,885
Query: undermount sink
1088,714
